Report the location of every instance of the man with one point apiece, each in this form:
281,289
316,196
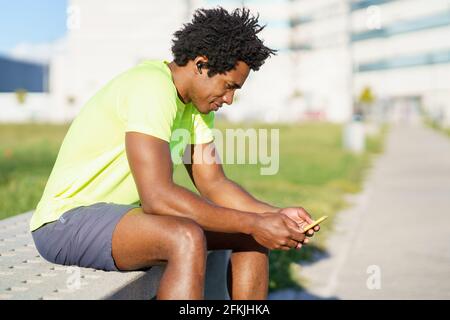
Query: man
117,155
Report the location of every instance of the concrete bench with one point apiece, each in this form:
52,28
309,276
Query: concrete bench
24,274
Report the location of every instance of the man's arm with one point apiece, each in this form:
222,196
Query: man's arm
206,172
232,195
151,166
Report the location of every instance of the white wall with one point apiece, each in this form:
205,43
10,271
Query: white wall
106,39
323,73
112,38
36,107
431,83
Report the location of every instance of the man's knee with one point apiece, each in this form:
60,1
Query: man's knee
189,236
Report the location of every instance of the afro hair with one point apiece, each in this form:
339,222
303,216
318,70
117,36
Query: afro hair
224,38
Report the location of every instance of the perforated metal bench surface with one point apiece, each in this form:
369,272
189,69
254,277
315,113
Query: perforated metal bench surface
24,274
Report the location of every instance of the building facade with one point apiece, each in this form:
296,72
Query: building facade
334,56
401,50
397,51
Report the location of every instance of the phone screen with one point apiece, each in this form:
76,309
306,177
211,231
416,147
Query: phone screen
312,225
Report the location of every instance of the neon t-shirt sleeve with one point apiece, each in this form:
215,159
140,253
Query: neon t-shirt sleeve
203,125
152,108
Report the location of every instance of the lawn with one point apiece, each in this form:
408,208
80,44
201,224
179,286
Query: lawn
435,125
27,154
314,172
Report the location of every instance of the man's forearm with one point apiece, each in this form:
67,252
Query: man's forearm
178,201
227,193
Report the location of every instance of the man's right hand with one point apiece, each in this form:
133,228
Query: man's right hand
277,231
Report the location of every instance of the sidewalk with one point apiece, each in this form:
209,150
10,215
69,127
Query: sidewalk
396,236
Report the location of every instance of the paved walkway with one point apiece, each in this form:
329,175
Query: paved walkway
394,242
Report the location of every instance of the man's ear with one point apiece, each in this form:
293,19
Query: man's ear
199,67
200,63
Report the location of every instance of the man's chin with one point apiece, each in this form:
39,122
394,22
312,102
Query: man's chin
201,110
204,111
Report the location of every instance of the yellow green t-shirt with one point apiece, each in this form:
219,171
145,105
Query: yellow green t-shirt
92,165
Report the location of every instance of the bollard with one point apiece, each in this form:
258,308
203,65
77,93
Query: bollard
354,137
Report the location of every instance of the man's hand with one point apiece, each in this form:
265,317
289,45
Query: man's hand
277,231
302,218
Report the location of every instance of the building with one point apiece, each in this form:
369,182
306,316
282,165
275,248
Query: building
321,58
103,41
23,89
22,75
401,50
398,51
334,56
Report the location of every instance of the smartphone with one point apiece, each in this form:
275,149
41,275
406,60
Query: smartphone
312,225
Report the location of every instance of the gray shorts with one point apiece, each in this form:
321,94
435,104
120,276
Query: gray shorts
82,236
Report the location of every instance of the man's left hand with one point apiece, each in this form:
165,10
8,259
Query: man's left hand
302,218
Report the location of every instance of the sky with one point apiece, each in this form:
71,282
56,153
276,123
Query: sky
30,29
32,22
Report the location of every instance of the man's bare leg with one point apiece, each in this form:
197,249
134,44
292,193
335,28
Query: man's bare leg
249,264
141,240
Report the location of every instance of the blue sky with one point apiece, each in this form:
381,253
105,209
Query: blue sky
31,21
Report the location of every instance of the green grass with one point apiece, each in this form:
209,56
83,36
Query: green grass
27,154
435,125
315,173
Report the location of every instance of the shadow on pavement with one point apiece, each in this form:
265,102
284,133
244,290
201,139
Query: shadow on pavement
287,287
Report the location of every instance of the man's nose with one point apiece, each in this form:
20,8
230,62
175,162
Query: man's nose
228,97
